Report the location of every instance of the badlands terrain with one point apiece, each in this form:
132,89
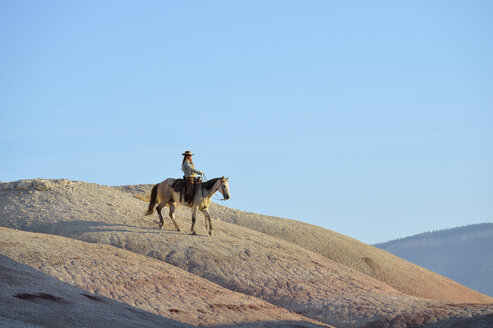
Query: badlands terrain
84,255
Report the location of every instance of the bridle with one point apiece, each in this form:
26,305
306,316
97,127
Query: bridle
223,191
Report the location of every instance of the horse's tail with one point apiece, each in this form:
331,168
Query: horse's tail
152,202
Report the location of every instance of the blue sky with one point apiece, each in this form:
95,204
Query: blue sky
370,118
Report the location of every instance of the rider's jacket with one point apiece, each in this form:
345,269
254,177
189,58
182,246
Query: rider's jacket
189,170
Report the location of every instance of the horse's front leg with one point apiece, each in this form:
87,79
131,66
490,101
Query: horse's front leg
194,216
207,219
172,216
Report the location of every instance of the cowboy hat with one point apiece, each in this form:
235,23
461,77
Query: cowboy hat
187,153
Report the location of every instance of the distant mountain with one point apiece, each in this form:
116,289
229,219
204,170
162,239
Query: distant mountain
463,254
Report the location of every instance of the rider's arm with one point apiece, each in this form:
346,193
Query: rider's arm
191,169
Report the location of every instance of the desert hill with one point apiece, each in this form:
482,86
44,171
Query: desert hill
262,264
29,298
463,254
402,275
139,281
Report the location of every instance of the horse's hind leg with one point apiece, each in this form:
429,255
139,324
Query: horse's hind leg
158,210
172,215
194,215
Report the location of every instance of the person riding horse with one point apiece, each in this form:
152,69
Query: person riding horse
190,173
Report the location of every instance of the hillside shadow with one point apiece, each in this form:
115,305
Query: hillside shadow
65,228
33,297
271,324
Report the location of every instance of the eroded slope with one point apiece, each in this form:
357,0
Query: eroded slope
136,280
238,258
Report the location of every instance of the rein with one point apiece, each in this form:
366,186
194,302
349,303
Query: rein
214,195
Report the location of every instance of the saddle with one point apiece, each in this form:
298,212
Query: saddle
187,188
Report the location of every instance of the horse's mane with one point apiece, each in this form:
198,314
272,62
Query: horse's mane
209,184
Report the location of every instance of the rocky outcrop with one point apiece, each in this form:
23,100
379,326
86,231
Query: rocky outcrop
32,184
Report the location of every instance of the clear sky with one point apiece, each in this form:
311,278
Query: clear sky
370,118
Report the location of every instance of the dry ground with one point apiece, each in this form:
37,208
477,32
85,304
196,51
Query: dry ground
136,280
309,270
404,276
30,298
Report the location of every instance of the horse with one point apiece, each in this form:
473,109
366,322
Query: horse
164,195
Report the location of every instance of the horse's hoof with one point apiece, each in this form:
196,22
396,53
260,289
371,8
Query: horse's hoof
178,229
194,233
161,226
210,232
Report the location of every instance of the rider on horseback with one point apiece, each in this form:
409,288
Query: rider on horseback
190,173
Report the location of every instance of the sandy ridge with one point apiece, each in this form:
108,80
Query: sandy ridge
237,258
138,281
30,298
402,275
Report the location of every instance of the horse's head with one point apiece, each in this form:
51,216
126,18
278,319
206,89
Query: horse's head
224,188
